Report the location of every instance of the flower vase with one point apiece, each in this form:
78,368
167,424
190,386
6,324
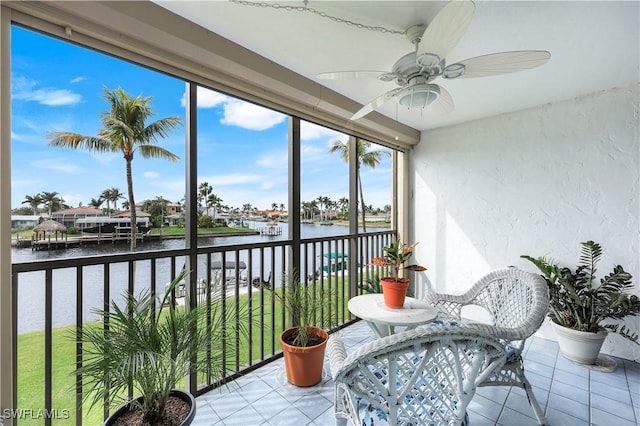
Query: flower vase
394,291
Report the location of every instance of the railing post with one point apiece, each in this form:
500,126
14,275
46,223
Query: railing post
191,225
294,196
354,255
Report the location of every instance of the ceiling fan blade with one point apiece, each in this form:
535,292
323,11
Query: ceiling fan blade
446,29
376,103
444,103
357,75
496,64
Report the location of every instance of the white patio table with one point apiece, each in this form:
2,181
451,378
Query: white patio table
383,320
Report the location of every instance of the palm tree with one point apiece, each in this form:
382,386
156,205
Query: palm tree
104,196
313,205
33,201
214,202
115,195
365,157
124,130
96,203
204,190
52,201
247,208
343,203
320,203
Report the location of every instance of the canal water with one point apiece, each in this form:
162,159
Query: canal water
31,294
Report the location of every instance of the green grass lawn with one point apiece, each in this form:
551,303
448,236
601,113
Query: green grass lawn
31,355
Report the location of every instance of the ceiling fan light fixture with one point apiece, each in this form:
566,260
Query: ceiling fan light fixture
420,96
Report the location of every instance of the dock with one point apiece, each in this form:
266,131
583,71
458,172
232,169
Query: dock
64,243
270,231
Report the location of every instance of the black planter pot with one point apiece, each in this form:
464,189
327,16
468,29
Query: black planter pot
186,397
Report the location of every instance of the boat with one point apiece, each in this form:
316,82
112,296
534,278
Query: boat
332,263
231,271
217,267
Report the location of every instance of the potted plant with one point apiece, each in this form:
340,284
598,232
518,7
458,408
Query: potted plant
303,344
394,288
152,348
578,304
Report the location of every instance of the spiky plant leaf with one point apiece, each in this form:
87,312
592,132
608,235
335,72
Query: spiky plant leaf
578,301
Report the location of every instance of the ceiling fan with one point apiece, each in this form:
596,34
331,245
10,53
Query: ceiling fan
414,72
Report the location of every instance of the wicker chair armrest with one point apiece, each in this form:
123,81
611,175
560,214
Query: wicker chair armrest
448,304
340,365
505,333
336,353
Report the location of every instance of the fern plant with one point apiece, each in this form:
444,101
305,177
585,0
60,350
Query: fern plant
578,301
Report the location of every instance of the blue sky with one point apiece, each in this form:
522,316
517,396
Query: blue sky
242,148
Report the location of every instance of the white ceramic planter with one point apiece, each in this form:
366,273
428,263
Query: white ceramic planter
579,346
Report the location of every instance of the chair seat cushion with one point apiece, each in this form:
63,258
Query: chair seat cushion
513,353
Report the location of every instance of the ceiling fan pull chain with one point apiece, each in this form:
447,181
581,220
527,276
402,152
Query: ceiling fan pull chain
306,8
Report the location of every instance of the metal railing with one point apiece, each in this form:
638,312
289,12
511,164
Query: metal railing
52,300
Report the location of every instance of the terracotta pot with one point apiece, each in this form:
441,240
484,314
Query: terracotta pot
394,291
186,397
304,364
579,346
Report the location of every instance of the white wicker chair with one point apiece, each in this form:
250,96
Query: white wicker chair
517,302
435,371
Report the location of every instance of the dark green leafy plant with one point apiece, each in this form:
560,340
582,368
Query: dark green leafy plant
152,348
578,301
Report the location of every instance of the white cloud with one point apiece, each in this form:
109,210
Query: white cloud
151,175
76,80
310,131
16,137
26,90
274,160
73,199
238,113
250,116
206,98
56,166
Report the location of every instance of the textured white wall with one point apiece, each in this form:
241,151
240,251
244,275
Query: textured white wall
534,182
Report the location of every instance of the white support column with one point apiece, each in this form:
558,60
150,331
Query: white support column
6,328
402,194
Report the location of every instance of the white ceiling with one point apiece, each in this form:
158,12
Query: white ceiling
594,46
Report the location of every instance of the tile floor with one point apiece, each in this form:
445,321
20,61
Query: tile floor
569,394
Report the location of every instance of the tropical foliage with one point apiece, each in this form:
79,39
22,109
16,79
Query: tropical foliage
124,130
153,349
395,256
578,301
308,305
365,156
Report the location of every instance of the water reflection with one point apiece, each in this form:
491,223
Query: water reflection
31,294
